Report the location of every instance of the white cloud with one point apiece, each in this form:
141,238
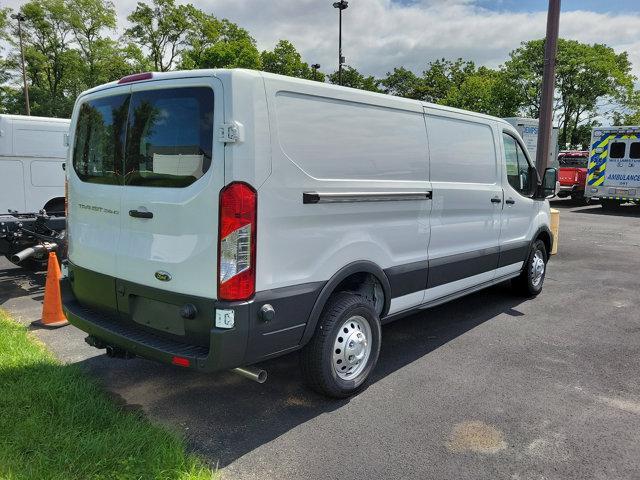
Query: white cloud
381,34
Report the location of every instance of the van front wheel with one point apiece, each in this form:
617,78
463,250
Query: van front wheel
531,278
344,349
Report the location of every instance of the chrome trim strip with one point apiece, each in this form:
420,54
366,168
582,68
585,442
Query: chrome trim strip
350,197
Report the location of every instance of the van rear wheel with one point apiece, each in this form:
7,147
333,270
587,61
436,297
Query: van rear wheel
531,279
338,360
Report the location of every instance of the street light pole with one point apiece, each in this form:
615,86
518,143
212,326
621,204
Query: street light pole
341,5
21,18
545,123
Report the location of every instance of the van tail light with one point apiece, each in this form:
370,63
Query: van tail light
237,242
577,176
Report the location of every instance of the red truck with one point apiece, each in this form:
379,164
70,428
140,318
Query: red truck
573,174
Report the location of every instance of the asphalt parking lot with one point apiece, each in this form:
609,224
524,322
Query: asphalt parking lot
489,386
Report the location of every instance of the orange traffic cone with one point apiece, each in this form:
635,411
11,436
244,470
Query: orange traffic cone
52,315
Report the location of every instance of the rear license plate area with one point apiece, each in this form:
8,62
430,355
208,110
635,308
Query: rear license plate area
155,314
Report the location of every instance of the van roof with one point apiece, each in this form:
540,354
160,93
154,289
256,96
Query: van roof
34,119
177,74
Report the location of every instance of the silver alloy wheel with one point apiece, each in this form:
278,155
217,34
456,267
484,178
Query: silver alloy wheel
352,347
537,268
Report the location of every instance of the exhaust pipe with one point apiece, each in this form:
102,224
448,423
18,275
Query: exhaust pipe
255,374
31,251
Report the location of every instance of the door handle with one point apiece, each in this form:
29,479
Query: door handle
510,201
140,214
496,200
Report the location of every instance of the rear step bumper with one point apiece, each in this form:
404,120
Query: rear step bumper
226,349
205,346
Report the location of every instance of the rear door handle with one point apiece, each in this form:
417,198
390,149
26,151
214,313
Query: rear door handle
510,201
140,214
496,200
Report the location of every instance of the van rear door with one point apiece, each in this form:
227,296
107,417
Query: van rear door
95,190
174,170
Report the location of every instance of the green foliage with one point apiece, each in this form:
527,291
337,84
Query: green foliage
585,75
56,423
354,79
285,60
162,27
214,43
403,83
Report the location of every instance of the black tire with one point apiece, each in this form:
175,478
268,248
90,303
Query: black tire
526,283
317,358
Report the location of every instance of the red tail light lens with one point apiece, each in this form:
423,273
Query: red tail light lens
237,242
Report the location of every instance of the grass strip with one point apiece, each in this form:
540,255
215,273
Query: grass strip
57,423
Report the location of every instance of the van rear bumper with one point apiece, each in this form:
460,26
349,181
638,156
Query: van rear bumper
249,341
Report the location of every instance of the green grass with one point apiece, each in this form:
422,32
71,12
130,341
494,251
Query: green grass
57,423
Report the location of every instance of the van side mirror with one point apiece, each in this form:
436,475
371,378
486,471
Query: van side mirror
548,187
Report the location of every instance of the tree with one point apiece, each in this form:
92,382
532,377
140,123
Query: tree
88,20
52,66
403,83
285,60
485,91
162,28
585,74
354,79
213,43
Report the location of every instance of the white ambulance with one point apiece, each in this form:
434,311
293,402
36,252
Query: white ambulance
613,173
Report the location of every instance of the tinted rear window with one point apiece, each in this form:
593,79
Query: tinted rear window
634,150
567,161
158,138
170,137
99,139
616,150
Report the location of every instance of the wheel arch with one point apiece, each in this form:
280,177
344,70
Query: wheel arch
544,233
339,278
54,201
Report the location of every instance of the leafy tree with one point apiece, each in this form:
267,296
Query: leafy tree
484,91
88,20
630,113
214,43
354,79
585,74
441,76
403,83
162,28
52,66
285,60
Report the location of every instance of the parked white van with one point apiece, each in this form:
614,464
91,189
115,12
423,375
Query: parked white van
32,153
219,218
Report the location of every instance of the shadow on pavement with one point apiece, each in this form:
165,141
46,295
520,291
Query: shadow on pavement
224,416
631,211
17,282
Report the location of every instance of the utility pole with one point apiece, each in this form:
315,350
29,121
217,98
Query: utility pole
21,18
545,123
341,5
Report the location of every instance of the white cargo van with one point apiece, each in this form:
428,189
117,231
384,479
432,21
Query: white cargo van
219,218
32,153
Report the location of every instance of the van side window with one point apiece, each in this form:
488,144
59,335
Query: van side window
518,169
99,140
170,137
634,150
461,151
616,150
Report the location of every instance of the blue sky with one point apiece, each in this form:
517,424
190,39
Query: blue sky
541,5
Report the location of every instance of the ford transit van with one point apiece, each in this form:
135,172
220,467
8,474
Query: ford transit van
219,218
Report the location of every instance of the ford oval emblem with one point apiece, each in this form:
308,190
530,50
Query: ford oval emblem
163,276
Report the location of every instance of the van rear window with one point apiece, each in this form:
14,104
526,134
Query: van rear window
616,150
99,140
154,138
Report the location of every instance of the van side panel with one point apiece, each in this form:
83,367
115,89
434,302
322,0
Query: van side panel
467,202
330,140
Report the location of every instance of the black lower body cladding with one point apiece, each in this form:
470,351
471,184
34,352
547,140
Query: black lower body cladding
150,322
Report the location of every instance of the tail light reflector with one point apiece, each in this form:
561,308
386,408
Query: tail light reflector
237,242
